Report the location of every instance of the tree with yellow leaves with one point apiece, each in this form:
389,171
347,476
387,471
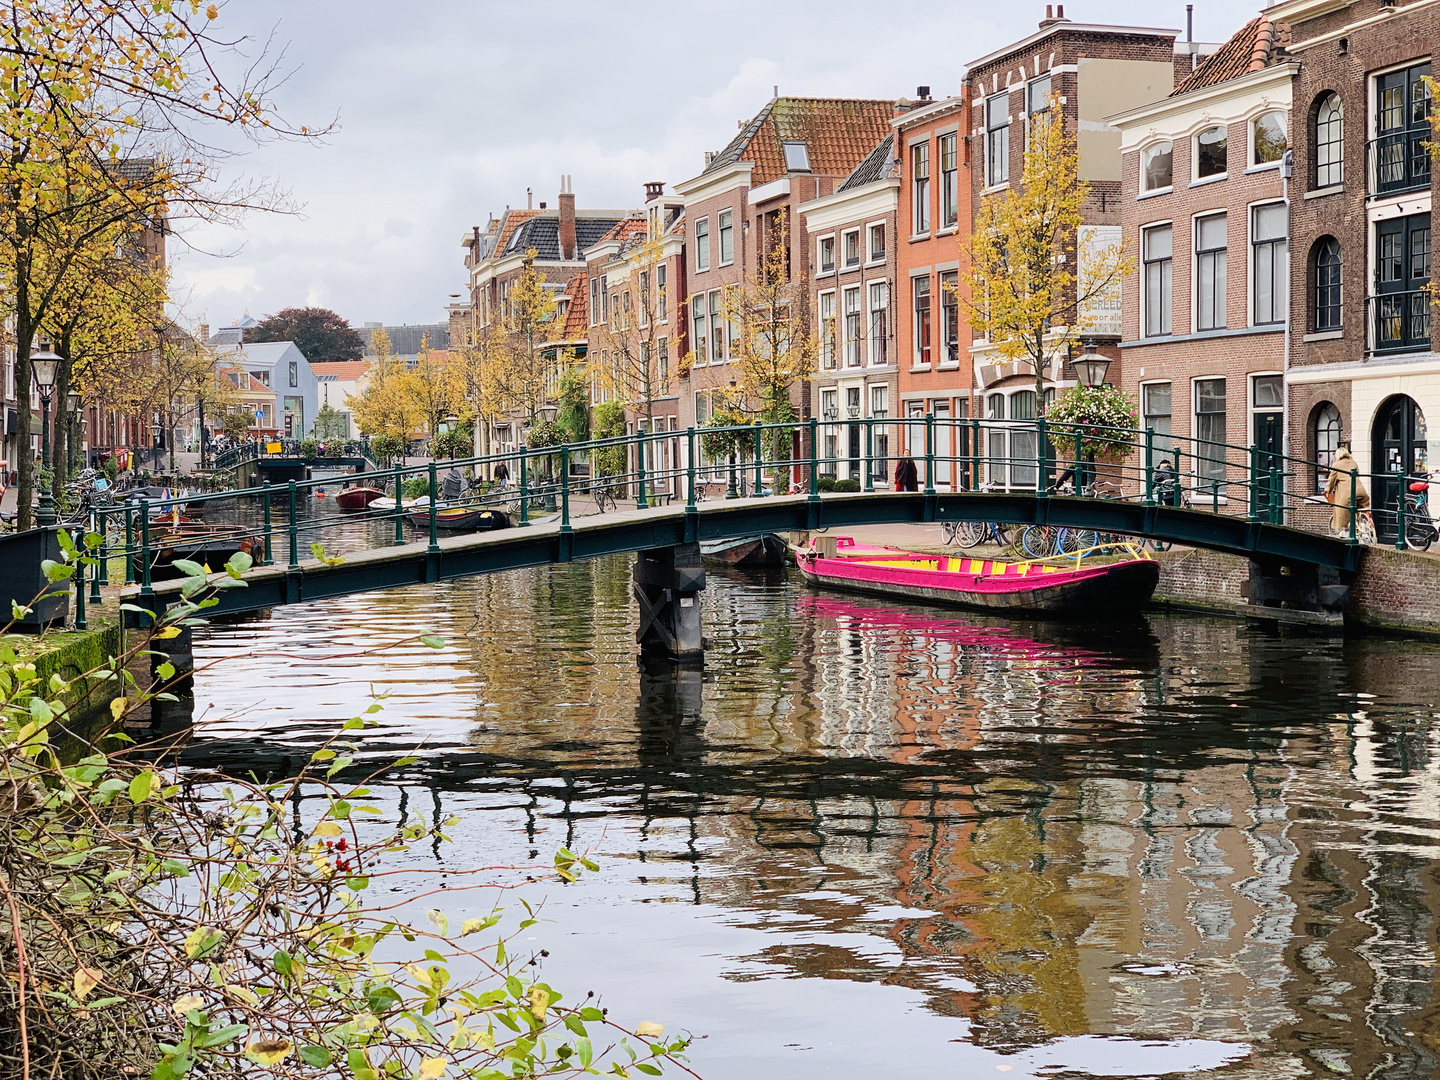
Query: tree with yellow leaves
627,350
521,377
430,388
771,339
384,407
1024,293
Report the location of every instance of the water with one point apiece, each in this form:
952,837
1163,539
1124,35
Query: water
875,840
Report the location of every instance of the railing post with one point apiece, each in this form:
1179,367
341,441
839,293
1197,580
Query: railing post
294,528
1276,503
434,509
524,490
399,504
640,501
930,453
814,460
102,575
974,450
1354,481
1400,509
1042,437
146,589
269,539
1150,466
129,545
759,459
565,489
1254,484
869,455
690,468
80,623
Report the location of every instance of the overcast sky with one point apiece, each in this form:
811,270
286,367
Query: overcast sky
449,109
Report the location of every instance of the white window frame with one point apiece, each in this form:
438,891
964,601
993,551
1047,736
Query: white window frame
1195,272
1145,284
702,244
843,263
991,183
921,198
725,223
1152,145
1250,121
827,323
870,309
870,258
820,241
1195,177
859,339
1283,277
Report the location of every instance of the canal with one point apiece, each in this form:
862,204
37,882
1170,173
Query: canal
876,840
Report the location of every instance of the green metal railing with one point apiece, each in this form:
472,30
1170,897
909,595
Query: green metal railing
639,471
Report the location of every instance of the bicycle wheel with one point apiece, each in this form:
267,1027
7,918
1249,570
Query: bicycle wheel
1074,540
969,534
1038,541
1419,535
1007,536
948,530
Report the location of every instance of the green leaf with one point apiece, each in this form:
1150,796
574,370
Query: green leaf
221,1037
585,1051
381,998
141,786
573,1023
54,571
241,561
282,962
316,1056
439,921
165,671
648,1070
432,640
189,567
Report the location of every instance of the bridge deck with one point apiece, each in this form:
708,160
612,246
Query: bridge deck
632,530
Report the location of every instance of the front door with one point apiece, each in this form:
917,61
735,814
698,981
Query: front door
852,435
1398,449
1266,436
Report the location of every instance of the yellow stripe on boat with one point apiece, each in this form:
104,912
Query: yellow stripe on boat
977,566
1023,569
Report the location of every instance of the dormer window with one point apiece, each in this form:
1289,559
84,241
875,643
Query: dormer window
797,157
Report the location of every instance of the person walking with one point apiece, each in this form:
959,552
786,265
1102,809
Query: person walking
907,476
1337,494
502,476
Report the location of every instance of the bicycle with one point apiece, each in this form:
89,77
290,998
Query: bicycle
604,495
1420,531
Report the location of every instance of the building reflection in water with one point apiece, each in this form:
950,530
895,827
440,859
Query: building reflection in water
1179,828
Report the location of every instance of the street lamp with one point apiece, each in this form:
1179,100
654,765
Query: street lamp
72,421
548,412
1091,367
43,366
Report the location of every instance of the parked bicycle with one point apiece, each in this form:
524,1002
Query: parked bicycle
1420,531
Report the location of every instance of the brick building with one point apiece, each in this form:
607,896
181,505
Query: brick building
1363,367
1096,71
633,295
793,151
936,376
1204,220
852,266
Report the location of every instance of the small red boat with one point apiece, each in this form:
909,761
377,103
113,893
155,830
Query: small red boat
1070,588
357,498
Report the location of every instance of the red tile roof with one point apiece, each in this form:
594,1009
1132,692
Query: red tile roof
625,229
838,134
511,222
344,370
1257,45
576,326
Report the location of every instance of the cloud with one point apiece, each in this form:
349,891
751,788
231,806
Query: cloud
449,111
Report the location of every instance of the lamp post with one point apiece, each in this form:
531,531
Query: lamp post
1091,368
43,366
72,420
548,412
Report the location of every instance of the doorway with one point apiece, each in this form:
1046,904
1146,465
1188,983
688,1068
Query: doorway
1398,447
1267,436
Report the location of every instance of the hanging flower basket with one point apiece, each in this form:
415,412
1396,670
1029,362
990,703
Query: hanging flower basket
1093,423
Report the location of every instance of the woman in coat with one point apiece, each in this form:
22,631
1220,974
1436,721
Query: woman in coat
907,476
1337,492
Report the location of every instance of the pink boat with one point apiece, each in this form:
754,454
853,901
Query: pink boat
1089,590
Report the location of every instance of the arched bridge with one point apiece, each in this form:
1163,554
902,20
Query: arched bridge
449,558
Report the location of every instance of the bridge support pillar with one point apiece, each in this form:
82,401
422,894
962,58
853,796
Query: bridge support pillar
668,582
1298,593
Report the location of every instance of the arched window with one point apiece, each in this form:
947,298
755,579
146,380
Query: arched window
1326,431
1268,137
1327,273
1329,141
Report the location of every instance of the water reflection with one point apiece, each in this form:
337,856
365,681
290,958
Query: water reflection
1170,846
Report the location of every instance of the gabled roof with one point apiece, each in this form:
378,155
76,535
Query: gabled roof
624,230
406,340
577,311
837,132
543,234
259,353
876,166
1257,45
512,221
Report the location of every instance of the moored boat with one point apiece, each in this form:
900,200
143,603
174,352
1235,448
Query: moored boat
1072,588
357,498
208,545
460,518
746,551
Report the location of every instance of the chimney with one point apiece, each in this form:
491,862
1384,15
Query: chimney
567,219
922,93
204,331
542,204
529,199
1059,12
653,190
